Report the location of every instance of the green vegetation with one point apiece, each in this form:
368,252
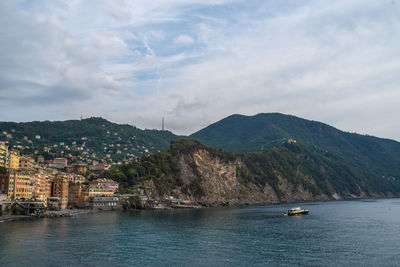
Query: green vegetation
161,168
316,170
324,160
99,136
3,170
238,133
319,171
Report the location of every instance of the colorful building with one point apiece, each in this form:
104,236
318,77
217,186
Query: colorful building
14,160
103,203
41,186
20,184
59,189
98,191
76,197
106,183
93,197
4,155
25,162
60,163
97,167
78,168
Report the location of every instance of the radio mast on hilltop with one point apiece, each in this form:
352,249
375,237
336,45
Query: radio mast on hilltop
162,124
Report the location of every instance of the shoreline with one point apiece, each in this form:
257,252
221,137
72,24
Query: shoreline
76,212
47,214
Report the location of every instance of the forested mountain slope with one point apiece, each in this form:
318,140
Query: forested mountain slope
288,172
240,133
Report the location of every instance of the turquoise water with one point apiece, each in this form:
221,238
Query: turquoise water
337,233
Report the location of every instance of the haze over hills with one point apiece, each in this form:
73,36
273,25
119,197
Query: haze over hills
239,133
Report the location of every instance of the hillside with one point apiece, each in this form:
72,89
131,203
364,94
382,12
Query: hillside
238,133
288,172
89,139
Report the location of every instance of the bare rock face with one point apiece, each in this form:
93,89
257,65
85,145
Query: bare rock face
209,179
213,178
212,181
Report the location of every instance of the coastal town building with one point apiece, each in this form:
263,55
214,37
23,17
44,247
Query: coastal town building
24,179
14,160
76,178
103,202
75,196
4,155
3,201
98,191
93,196
59,189
26,162
4,182
106,183
59,163
40,159
97,167
20,184
77,168
41,186
69,169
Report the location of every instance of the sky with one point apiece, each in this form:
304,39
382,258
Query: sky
197,61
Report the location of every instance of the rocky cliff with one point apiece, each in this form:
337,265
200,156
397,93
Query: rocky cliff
287,173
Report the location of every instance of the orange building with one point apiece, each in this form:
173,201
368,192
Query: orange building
76,197
59,189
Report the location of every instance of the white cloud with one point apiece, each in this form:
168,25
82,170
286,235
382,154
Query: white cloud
42,62
336,62
184,39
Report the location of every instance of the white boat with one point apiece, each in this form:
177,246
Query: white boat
296,211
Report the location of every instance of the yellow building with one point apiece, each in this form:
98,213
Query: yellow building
20,185
80,195
98,191
14,160
4,156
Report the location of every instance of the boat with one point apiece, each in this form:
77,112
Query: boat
296,211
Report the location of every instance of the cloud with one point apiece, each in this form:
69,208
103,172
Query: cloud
197,62
42,63
184,39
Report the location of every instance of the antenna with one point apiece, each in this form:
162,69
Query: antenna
163,123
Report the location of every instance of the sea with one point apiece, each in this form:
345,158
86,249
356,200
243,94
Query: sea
335,233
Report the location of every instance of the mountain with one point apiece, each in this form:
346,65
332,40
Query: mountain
285,173
90,139
240,133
